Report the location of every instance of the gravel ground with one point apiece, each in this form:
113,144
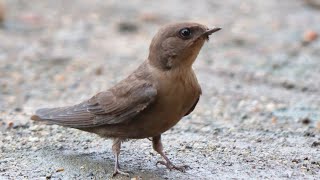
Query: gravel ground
258,118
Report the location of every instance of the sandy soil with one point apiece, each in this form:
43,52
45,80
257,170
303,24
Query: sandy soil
258,118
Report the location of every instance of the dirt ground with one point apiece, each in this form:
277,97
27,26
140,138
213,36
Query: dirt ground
258,117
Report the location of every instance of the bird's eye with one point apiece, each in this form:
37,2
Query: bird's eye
185,33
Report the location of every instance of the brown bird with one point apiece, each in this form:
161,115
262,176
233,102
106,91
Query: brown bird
149,101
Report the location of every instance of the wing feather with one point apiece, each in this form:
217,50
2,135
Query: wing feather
117,105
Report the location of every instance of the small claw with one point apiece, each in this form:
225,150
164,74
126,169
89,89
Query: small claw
164,163
182,168
170,166
118,171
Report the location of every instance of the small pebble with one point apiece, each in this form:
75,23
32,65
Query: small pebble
98,71
48,176
288,85
274,120
270,107
90,174
295,161
60,170
136,178
18,109
309,36
305,121
10,124
309,134
315,144
59,78
127,27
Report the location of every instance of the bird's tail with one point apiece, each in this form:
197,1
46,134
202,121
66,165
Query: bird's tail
69,116
43,115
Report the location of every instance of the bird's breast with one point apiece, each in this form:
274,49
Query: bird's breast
176,96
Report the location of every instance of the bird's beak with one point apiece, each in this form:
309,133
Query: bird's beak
208,32
211,31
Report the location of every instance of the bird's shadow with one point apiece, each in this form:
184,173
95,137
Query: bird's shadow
94,165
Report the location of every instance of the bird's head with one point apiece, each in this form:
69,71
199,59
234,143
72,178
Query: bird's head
177,45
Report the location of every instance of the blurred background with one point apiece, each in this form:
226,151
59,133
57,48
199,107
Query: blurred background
259,116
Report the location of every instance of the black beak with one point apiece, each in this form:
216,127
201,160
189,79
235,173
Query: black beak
211,31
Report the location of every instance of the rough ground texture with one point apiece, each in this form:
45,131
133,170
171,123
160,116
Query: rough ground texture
258,117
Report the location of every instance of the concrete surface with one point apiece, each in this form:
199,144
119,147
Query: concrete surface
258,118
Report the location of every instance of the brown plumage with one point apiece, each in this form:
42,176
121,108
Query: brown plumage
149,101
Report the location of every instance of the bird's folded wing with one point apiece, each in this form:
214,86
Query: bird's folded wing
117,105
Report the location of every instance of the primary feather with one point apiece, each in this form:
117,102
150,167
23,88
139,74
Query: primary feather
116,105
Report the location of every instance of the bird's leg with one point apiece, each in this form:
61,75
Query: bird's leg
157,146
116,151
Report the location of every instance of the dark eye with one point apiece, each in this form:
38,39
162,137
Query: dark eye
185,33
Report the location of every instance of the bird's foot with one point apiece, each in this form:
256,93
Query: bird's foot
118,171
171,166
